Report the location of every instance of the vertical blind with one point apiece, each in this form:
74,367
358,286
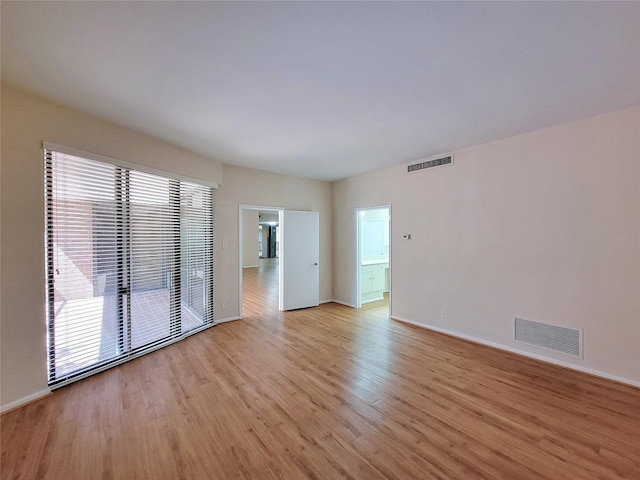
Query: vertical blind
129,263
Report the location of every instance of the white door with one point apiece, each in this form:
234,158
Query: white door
299,269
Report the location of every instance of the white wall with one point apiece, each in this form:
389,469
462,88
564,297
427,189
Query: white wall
381,215
254,187
27,121
269,216
544,226
250,238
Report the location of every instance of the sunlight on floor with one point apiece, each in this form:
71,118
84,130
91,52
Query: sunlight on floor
87,331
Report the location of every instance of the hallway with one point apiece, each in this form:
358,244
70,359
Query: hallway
260,288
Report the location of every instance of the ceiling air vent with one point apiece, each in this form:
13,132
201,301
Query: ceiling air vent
430,163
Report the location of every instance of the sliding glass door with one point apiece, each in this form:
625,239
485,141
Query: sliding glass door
129,263
152,231
196,255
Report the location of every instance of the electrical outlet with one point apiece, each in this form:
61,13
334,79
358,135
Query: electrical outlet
225,305
443,312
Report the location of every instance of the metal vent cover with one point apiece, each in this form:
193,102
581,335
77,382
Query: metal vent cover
430,163
560,339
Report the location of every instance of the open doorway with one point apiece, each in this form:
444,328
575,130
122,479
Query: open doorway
278,259
259,236
373,226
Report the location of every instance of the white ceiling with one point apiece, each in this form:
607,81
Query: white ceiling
327,89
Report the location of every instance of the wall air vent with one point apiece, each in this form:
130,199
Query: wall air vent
560,339
430,163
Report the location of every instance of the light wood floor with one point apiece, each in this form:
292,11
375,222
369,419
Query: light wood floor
326,393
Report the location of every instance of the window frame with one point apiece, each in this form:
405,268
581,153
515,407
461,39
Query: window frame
176,332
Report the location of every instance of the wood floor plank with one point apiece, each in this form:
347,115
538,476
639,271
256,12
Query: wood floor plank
326,393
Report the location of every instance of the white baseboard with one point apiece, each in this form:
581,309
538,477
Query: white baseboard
228,319
24,400
571,366
339,302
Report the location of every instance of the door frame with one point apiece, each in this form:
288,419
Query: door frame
358,302
241,208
